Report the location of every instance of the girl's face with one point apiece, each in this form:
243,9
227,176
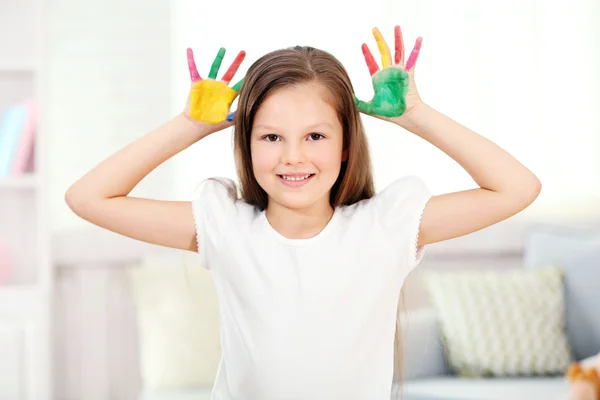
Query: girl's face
296,146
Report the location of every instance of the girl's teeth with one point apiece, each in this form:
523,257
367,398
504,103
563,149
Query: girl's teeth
295,178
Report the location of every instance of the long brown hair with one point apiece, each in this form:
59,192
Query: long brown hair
298,65
301,65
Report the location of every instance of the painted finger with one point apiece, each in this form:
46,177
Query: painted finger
399,45
238,85
363,106
373,67
234,67
194,75
231,116
414,54
214,69
383,48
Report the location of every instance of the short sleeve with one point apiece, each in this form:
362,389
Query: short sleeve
399,209
215,206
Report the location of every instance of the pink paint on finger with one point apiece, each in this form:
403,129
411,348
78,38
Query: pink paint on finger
194,75
414,54
373,67
398,44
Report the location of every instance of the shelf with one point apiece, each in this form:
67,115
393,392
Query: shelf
26,181
18,291
20,299
17,67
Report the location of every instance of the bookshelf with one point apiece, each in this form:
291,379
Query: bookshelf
29,181
25,262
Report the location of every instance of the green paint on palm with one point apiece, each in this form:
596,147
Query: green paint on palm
390,86
214,69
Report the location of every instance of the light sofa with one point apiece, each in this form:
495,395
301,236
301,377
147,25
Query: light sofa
427,375
577,253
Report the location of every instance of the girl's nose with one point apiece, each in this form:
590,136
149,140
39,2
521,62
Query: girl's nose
293,154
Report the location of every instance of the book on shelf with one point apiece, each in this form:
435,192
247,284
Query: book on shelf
18,127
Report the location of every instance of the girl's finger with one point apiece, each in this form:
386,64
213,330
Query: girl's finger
363,106
234,67
399,46
214,69
238,85
373,67
194,75
414,54
383,48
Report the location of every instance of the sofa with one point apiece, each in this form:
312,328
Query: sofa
427,372
577,253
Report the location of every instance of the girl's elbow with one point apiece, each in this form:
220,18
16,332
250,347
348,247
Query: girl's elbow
73,199
530,192
536,188
77,200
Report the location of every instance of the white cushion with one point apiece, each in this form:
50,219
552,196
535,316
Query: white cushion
506,323
178,326
449,388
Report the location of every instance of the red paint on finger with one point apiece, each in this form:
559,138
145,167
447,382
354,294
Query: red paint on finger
398,44
234,67
373,68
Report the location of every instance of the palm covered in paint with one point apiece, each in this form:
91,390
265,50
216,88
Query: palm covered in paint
394,88
209,100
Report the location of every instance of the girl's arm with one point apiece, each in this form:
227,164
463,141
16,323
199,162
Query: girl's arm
101,195
506,186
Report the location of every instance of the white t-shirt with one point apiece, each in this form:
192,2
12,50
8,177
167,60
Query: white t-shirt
308,319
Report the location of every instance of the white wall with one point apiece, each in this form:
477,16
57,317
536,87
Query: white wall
519,72
258,27
107,82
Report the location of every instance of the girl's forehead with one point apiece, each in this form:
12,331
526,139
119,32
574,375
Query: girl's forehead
303,99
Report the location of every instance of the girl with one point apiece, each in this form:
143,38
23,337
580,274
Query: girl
309,262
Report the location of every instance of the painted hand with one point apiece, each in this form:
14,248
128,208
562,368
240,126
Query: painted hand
394,88
209,99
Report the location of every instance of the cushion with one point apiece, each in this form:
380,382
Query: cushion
502,323
178,326
577,253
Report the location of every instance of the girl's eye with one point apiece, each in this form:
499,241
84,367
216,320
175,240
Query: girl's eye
316,136
271,137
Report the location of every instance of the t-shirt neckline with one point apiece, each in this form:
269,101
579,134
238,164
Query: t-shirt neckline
300,242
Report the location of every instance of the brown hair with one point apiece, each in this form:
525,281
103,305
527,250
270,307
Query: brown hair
298,65
301,65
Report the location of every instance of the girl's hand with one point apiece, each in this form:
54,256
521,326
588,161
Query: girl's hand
394,85
209,100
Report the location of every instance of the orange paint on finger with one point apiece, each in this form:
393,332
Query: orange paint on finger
210,101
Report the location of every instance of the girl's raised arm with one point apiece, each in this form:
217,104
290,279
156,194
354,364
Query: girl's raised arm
102,195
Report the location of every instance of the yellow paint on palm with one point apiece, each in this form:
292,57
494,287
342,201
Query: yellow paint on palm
383,48
210,101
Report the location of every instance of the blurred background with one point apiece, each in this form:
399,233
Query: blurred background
83,312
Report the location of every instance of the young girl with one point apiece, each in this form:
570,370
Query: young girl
309,263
